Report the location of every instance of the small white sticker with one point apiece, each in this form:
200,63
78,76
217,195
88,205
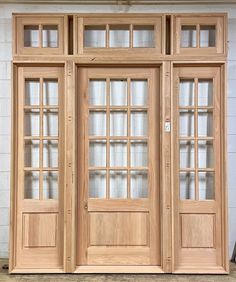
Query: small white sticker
167,126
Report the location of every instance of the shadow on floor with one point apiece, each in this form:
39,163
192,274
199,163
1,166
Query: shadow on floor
5,277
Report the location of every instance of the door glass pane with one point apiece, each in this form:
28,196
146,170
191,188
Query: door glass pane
186,93
187,185
119,36
118,123
50,36
139,92
97,123
143,36
97,153
32,123
205,154
50,185
139,154
139,184
205,92
186,157
188,36
50,153
206,182
97,92
118,184
31,36
50,123
31,190
186,123
139,123
207,36
32,92
97,184
95,36
205,123
118,153
32,153
50,92
118,96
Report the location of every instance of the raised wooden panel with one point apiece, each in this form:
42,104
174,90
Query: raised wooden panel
39,230
120,229
197,230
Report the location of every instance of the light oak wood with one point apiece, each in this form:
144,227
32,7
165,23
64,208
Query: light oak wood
155,235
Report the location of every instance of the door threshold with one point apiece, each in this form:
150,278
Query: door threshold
118,269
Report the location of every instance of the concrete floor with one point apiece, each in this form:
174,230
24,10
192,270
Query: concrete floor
5,277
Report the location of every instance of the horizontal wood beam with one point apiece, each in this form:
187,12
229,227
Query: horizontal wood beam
121,2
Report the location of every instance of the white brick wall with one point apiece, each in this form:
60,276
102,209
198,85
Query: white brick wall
5,95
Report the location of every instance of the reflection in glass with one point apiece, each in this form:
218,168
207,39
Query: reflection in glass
97,184
188,36
205,92
31,153
97,153
139,184
50,185
118,95
97,92
206,183
143,36
205,154
139,92
205,123
50,123
187,185
32,92
32,123
186,123
50,153
139,123
139,154
97,123
31,185
119,36
118,153
50,92
95,36
186,93
31,36
118,184
118,123
207,36
186,155
50,36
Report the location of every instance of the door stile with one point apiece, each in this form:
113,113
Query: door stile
166,189
70,167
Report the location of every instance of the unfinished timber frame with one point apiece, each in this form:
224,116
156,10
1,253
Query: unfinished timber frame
119,143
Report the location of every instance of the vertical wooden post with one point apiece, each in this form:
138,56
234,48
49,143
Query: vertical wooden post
69,194
166,168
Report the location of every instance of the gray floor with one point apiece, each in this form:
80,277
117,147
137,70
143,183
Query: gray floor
4,276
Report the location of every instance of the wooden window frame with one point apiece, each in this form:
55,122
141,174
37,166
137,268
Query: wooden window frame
18,35
220,37
115,58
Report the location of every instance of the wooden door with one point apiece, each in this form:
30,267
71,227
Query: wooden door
118,166
199,191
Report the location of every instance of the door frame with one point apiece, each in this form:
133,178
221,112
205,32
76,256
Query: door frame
165,175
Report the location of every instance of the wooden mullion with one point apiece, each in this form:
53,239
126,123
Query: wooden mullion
41,142
128,144
107,36
40,36
196,137
108,138
131,36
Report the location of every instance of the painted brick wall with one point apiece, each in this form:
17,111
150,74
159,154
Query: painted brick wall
5,96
